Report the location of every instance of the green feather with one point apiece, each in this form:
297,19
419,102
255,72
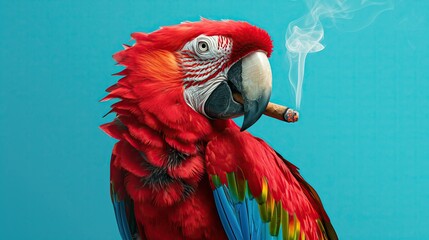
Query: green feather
216,181
276,219
232,185
285,224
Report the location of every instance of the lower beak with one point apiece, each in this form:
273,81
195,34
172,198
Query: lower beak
254,84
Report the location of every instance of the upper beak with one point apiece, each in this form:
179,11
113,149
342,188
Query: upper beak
254,84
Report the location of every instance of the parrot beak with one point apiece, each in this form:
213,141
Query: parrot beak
251,77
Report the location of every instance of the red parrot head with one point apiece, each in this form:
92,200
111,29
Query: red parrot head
203,63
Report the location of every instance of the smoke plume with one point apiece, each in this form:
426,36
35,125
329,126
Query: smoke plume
305,34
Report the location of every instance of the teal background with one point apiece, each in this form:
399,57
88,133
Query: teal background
362,140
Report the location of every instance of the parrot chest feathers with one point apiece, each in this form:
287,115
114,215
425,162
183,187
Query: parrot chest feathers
156,169
165,182
162,177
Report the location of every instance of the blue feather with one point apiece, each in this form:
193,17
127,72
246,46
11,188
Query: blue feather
118,219
241,219
244,219
227,214
125,221
121,218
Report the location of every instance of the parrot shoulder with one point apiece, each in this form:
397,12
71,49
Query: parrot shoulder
259,193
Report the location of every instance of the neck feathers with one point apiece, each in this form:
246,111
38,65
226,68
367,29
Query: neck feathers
161,139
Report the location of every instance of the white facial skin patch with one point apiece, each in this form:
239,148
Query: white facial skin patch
203,63
197,95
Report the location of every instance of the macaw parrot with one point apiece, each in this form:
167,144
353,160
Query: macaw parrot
182,169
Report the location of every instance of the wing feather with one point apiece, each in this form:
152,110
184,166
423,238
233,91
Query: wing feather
122,203
227,214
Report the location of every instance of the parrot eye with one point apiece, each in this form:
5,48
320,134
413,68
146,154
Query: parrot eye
203,46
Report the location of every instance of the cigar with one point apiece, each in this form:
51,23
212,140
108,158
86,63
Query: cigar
274,110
